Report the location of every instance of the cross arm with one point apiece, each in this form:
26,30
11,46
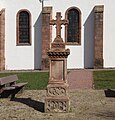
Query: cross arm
64,22
52,22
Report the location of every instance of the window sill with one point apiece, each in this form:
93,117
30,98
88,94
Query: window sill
72,43
23,44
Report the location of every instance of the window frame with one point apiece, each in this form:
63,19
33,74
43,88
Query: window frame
17,29
66,27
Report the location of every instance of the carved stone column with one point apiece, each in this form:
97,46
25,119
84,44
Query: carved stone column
57,99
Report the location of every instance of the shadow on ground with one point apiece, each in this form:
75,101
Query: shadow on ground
37,105
110,115
109,93
10,93
6,94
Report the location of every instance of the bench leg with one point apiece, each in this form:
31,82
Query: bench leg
12,96
17,91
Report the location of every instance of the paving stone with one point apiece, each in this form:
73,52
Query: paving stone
80,79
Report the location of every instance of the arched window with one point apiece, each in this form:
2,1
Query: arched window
73,29
23,27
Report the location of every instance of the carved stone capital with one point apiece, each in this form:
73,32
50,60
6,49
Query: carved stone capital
57,53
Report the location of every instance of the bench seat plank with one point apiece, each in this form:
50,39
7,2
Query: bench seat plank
9,88
8,79
19,84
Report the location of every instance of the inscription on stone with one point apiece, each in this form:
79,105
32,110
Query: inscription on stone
57,70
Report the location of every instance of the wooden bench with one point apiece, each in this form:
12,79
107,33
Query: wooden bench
9,87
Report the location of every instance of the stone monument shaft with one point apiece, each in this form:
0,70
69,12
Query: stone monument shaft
57,99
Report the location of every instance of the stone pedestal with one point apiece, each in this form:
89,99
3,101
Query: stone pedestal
57,99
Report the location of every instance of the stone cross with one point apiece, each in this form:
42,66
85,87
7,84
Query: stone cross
57,99
58,22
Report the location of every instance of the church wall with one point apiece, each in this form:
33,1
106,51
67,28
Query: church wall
109,30
22,57
79,57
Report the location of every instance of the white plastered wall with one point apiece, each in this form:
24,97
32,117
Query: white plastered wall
22,57
29,57
79,57
109,33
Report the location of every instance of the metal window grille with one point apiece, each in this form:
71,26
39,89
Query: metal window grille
24,30
73,26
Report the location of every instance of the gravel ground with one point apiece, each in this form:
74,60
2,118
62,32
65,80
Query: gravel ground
85,105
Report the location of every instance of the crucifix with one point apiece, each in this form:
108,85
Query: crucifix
57,99
58,22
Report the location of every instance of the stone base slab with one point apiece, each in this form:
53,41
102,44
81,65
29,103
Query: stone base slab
57,104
